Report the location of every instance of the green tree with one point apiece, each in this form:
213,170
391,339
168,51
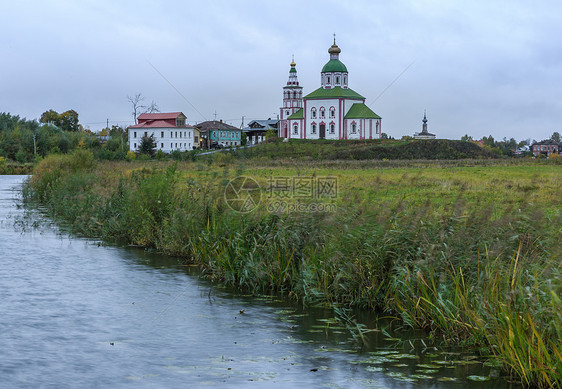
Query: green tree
555,136
148,145
466,138
69,120
489,141
50,116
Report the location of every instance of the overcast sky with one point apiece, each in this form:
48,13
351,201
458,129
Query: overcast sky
477,67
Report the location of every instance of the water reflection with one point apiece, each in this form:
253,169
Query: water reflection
78,313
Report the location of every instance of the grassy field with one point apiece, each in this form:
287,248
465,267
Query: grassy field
470,250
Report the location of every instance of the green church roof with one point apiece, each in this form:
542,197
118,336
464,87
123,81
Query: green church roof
293,70
297,115
334,65
337,92
361,111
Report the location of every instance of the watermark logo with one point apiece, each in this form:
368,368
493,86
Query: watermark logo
243,194
284,194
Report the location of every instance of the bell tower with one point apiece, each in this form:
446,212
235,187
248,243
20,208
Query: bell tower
292,99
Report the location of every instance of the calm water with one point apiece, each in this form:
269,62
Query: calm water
74,313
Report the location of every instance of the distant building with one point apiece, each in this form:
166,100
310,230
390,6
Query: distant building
257,129
546,147
214,132
333,111
169,130
424,134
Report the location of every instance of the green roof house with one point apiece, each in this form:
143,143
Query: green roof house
333,111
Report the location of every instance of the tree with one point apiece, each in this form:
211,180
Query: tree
466,138
50,116
152,108
136,102
69,120
148,145
555,136
489,141
384,135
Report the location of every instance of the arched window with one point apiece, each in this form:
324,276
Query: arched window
314,128
344,80
354,128
328,79
332,112
337,80
313,112
332,129
296,129
322,113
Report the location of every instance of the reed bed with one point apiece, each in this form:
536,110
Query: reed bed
471,253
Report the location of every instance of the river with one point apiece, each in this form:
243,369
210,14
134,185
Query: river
75,312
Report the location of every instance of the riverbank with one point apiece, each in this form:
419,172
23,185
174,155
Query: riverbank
470,252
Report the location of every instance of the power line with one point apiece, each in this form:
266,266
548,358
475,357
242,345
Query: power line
176,89
392,83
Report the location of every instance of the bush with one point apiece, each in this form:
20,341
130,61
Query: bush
160,155
48,172
131,156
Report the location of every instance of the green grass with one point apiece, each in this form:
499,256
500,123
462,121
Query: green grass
471,253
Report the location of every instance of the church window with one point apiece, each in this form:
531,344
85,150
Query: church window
328,79
134,134
337,80
332,129
354,128
162,135
162,146
314,128
313,111
332,112
287,113
295,129
322,113
344,80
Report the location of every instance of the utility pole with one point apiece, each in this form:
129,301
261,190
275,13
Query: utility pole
242,125
107,126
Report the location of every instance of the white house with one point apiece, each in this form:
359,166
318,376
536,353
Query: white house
169,130
333,111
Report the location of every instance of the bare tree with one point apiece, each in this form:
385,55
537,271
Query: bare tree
152,108
136,102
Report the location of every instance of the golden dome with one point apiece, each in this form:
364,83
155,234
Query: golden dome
334,49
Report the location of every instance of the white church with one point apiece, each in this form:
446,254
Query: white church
333,111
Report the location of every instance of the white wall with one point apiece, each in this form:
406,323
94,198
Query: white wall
174,138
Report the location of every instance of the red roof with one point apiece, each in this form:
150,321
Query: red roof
159,115
158,124
159,120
